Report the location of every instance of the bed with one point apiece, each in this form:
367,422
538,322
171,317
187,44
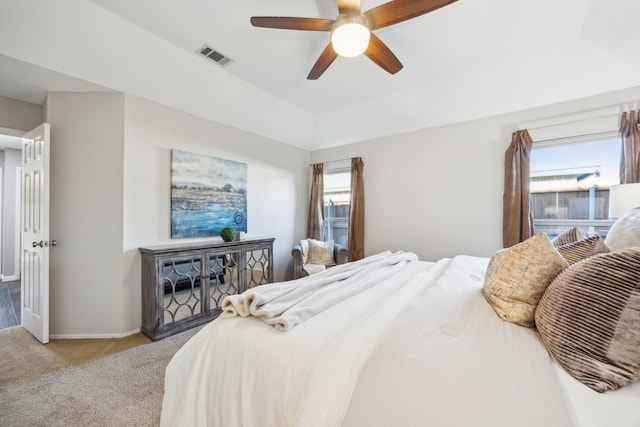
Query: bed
395,341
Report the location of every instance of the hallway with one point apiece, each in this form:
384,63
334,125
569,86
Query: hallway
9,304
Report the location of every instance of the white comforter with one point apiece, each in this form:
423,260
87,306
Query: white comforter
419,348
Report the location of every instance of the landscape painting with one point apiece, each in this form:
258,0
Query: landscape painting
206,194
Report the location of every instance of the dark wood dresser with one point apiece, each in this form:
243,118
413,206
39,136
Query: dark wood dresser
183,284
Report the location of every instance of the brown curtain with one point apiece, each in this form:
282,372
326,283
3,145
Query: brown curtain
630,164
315,225
356,211
517,220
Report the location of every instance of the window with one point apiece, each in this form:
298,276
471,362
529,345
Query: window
337,198
570,183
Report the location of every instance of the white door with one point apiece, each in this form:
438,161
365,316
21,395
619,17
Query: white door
34,285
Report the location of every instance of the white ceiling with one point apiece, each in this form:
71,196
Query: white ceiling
468,60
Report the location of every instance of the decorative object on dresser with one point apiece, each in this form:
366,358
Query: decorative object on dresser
228,234
238,218
178,294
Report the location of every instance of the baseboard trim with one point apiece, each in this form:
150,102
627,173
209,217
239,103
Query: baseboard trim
92,336
9,278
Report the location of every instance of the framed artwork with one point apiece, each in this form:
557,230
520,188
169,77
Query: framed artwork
207,194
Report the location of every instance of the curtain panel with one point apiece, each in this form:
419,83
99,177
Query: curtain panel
315,224
517,222
356,212
630,163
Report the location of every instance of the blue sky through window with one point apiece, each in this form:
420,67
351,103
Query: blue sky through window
577,158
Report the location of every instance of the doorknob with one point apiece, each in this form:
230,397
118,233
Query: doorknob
44,243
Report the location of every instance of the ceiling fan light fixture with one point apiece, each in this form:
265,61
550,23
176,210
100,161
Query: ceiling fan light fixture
350,36
351,31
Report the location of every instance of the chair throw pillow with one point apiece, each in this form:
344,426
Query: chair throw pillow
517,277
304,248
577,251
589,319
320,252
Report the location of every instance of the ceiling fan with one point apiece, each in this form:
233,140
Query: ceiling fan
351,31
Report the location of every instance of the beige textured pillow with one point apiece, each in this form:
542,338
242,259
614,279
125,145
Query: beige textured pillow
518,276
569,236
625,232
577,251
320,252
589,319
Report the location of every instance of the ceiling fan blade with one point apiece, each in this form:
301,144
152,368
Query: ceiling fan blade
285,23
379,53
397,11
327,57
349,7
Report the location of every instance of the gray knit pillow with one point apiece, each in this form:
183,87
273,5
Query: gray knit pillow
569,236
589,319
577,251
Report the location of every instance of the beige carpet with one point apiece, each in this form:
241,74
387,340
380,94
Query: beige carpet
83,382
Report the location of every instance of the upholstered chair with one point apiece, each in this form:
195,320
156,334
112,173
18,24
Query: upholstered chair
339,256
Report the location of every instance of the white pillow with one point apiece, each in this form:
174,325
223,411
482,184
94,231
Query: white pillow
320,252
625,232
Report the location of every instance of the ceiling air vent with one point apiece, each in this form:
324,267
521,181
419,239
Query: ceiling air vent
214,55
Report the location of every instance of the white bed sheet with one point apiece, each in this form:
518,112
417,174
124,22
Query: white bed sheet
592,409
421,349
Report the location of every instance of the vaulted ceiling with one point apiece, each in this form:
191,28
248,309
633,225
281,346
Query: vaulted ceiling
470,59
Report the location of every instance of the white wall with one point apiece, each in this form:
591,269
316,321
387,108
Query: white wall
87,170
110,194
276,185
438,192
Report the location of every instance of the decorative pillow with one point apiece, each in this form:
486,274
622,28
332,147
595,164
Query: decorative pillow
577,251
589,319
569,236
625,232
320,252
518,276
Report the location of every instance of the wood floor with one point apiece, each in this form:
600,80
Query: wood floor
9,304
